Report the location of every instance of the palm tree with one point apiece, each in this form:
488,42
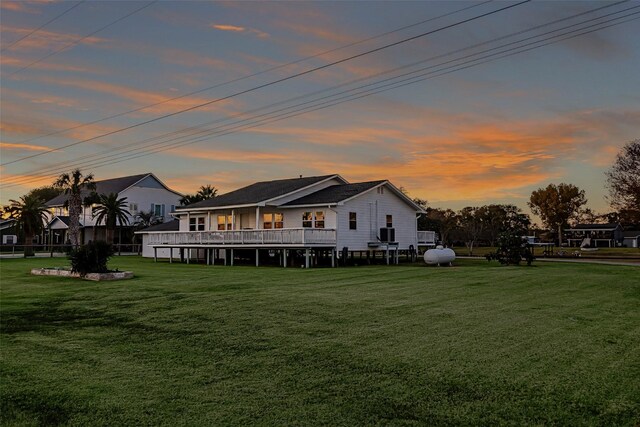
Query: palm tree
111,211
72,185
205,192
30,213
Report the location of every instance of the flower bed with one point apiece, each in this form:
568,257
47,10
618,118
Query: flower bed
97,277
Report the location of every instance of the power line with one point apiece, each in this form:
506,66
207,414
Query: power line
208,131
268,70
75,42
389,86
43,25
302,73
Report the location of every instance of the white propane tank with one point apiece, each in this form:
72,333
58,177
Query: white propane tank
439,256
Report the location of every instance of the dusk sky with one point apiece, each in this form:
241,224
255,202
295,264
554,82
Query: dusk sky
471,133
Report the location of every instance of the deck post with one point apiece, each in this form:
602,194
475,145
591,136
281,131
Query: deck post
284,256
188,255
170,255
231,258
155,254
206,254
257,257
333,257
387,254
307,255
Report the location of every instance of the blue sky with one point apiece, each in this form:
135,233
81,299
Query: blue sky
489,133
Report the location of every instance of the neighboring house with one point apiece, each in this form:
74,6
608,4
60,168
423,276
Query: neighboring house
8,231
144,193
631,239
598,235
318,215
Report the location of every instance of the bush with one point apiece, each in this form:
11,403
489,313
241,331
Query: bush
91,258
512,249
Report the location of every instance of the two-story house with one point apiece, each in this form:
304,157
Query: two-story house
143,193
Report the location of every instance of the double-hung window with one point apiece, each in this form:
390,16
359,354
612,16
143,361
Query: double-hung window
196,224
353,221
313,219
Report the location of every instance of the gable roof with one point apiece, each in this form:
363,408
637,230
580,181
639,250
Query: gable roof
604,227
107,186
64,219
631,234
173,225
260,192
334,194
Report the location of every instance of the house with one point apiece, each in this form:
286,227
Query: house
8,231
631,239
317,216
598,235
144,193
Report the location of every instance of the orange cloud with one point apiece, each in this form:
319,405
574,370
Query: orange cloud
20,63
48,40
223,27
236,29
29,147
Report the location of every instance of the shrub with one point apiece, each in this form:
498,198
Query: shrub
512,249
91,258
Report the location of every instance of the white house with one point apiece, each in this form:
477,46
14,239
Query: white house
314,216
144,193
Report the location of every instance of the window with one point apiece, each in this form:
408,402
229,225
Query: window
319,219
307,219
380,190
313,219
196,224
133,208
272,220
225,222
267,221
389,221
278,220
353,223
157,210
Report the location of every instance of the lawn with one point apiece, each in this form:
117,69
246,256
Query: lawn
402,345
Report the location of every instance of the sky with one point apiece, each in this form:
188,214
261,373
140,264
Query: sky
282,89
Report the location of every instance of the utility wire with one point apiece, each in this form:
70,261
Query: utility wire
268,70
42,26
396,84
302,73
208,131
75,42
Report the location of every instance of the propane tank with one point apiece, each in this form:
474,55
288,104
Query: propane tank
439,255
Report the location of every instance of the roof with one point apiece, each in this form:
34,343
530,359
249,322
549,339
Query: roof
334,194
610,226
631,234
106,186
7,223
173,225
259,192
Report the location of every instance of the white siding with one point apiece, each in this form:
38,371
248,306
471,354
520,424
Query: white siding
368,224
145,196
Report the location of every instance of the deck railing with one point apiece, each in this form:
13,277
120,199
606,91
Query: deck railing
285,236
426,237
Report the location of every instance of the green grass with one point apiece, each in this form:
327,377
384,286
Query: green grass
631,254
476,344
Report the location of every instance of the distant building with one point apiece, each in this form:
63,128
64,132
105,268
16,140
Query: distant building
144,193
598,235
631,239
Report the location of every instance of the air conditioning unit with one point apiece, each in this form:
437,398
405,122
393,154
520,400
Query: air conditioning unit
387,234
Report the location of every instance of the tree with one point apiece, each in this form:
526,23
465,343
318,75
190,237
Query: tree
30,214
111,211
204,193
72,184
442,221
45,193
556,205
500,218
623,180
512,248
472,223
